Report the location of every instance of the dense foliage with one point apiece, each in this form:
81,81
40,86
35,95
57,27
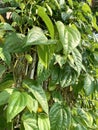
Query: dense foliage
48,65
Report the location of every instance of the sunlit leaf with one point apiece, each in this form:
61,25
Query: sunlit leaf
47,20
32,104
5,56
43,122
69,37
86,8
17,102
29,121
88,84
36,36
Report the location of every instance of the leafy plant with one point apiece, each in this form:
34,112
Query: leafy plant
48,65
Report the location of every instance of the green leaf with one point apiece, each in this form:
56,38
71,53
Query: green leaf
46,19
32,104
78,127
86,8
2,70
85,118
4,96
69,37
17,102
61,60
6,84
88,84
14,42
36,37
43,54
70,2
43,122
6,27
38,93
60,117
42,73
55,71
94,22
5,56
68,76
76,61
29,121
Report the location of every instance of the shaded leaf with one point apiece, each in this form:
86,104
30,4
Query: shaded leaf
14,42
6,84
67,76
2,70
6,27
4,96
38,93
42,73
85,118
60,117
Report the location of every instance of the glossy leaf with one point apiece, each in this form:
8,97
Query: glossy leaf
47,20
29,121
69,37
16,104
43,122
38,93
77,61
59,117
67,76
36,36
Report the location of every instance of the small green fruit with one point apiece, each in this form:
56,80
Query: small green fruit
29,58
